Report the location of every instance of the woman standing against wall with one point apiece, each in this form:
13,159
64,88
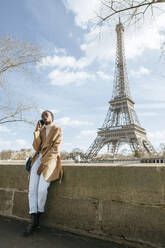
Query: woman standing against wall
45,167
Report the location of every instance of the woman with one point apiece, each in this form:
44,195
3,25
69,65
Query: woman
45,167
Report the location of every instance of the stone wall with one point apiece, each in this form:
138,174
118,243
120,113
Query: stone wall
122,203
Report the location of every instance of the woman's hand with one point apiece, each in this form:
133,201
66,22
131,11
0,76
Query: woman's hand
40,169
38,126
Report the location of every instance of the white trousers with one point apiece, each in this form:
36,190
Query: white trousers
38,189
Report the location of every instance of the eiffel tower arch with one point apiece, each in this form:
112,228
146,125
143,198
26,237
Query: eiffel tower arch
121,124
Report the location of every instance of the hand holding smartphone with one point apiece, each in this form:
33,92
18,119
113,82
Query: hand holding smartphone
40,123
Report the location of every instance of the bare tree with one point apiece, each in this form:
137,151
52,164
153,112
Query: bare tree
131,9
15,113
15,56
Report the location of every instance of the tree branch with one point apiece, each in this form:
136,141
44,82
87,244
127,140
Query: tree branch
116,11
16,120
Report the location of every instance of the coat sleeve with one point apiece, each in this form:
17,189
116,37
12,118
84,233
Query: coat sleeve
55,149
58,141
36,140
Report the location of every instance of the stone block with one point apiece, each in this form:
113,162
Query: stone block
20,205
134,222
71,213
6,202
13,176
128,183
117,201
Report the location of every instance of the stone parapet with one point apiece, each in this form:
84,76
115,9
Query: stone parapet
125,203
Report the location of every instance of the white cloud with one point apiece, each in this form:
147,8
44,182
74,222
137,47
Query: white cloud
104,76
61,78
99,46
160,105
103,47
140,72
21,142
4,129
67,143
148,114
152,91
100,43
54,111
67,69
13,144
5,145
67,121
88,134
149,36
104,108
58,50
156,137
83,11
63,62
69,146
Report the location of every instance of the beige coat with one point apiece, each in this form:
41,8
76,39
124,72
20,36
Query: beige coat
50,149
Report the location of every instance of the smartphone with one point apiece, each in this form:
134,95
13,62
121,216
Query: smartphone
42,122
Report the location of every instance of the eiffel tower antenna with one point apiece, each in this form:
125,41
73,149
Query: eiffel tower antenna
121,124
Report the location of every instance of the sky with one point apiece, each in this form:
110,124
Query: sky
75,78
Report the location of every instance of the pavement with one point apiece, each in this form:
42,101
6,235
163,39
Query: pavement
11,237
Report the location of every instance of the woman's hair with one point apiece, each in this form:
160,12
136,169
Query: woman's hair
49,112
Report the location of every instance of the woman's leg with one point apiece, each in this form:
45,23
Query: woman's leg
33,198
33,187
42,193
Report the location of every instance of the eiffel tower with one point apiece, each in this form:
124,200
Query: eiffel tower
121,124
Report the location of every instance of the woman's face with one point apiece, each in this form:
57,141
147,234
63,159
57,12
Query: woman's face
47,118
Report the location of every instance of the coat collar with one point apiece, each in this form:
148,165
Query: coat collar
48,140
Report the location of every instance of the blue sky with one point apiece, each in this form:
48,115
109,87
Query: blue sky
75,78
